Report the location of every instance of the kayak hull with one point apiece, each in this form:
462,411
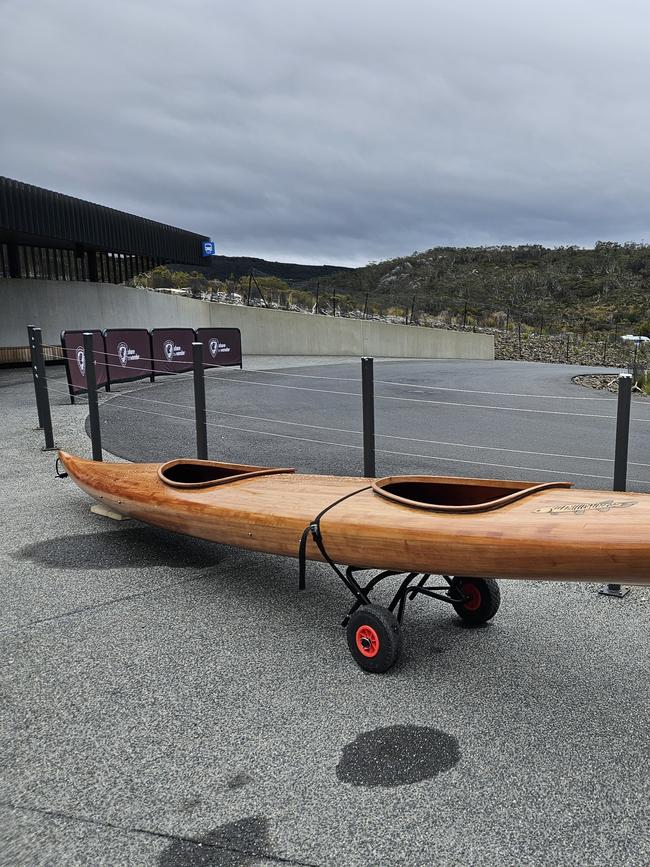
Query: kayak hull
553,534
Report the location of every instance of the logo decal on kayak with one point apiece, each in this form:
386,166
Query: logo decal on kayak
581,508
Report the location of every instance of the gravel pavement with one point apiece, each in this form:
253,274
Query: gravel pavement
164,701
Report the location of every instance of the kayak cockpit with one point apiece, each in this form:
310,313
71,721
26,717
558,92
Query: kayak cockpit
193,473
441,494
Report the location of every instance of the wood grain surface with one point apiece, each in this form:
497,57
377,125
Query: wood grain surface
553,533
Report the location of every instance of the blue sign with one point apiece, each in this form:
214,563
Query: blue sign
209,248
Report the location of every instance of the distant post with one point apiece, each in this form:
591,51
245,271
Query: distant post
93,406
37,395
40,386
622,431
368,406
200,414
620,457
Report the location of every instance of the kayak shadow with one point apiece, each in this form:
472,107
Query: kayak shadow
269,583
137,547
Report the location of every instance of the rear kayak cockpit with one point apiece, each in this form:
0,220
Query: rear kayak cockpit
440,494
194,473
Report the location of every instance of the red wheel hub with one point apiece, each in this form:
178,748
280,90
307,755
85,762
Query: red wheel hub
367,641
472,596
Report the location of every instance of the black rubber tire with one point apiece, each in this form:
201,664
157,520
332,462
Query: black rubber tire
484,602
374,624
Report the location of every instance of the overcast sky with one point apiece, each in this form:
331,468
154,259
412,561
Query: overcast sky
339,131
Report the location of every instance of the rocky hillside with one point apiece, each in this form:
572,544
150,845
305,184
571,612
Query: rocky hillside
235,267
605,289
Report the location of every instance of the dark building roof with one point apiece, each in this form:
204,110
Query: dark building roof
41,218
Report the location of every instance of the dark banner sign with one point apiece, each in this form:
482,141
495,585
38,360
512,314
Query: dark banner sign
172,349
221,346
128,354
75,359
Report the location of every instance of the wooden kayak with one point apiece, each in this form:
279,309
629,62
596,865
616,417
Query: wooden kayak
479,529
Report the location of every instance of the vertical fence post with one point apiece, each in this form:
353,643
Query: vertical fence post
199,403
37,393
368,402
620,457
40,384
93,406
622,431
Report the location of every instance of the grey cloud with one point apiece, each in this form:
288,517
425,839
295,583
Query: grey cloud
338,131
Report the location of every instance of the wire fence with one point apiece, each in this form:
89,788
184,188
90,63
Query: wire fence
434,402
131,400
401,437
242,379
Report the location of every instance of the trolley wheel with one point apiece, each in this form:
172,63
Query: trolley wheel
482,598
373,635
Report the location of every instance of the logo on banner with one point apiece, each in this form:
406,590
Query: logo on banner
81,360
125,353
172,350
215,347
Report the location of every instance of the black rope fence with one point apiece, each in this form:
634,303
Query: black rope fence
277,421
239,379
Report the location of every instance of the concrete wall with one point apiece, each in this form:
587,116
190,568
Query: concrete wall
58,305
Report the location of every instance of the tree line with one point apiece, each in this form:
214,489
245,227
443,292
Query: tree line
599,290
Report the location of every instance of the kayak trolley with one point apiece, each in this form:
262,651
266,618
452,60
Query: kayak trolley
374,631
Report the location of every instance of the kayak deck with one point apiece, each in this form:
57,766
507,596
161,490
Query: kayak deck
553,532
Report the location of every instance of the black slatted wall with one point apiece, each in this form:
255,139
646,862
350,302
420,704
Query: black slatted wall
54,236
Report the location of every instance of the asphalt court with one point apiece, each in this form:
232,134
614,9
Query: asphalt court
169,702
